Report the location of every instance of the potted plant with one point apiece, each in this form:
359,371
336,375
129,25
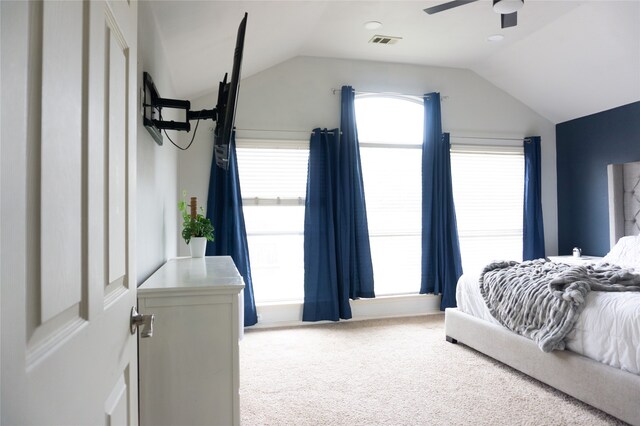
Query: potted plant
196,228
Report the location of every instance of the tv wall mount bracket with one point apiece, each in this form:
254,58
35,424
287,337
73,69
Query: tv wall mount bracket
153,105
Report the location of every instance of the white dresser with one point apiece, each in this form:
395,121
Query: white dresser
189,369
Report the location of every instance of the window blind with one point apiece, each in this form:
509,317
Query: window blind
488,190
273,175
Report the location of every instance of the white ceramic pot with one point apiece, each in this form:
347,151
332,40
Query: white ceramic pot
197,245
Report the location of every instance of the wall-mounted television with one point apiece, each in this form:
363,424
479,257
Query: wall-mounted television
227,101
223,113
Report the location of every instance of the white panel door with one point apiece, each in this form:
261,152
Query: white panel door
67,212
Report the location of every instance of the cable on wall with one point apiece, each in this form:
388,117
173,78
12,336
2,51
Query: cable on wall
192,138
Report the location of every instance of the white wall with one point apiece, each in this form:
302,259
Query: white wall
156,165
297,95
194,164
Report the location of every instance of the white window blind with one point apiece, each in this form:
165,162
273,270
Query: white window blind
273,173
488,190
273,179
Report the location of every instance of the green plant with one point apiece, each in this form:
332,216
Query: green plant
194,224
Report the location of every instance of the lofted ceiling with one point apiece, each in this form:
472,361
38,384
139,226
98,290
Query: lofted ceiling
565,59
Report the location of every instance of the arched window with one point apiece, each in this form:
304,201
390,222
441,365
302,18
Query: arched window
389,119
390,131
488,186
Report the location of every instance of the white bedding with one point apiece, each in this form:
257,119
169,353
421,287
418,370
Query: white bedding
608,330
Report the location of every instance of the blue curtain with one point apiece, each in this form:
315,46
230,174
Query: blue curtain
441,263
533,228
224,209
323,299
355,270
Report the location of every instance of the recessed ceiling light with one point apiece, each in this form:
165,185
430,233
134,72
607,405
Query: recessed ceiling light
507,6
372,25
495,37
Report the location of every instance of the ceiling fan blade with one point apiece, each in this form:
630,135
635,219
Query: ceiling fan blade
509,20
447,6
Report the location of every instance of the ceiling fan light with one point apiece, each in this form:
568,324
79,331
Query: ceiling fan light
507,6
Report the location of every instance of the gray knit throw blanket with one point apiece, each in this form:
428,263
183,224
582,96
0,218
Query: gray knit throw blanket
542,300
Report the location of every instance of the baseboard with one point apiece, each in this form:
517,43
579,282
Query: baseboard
286,314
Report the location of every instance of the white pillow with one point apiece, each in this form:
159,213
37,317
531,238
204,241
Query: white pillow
625,253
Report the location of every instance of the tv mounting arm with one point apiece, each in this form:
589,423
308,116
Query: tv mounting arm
153,104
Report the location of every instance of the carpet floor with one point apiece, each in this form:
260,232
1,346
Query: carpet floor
390,372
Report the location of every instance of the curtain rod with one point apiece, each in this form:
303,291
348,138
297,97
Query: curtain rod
357,92
330,131
281,131
488,138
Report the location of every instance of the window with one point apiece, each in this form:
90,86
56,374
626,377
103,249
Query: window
274,183
488,190
488,185
390,132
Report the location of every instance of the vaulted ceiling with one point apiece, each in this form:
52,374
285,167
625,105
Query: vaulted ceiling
565,58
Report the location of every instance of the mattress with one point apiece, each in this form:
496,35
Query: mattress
607,331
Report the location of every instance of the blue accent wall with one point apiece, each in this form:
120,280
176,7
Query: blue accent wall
584,147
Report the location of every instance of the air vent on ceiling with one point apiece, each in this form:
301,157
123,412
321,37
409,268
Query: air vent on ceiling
382,39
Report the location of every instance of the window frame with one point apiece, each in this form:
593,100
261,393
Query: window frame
388,145
490,146
272,202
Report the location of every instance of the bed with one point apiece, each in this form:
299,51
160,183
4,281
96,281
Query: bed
601,365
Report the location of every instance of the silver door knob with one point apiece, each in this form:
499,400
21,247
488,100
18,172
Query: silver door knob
138,320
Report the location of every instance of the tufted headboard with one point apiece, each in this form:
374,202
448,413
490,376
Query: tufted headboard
624,200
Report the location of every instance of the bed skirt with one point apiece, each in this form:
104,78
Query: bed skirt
607,388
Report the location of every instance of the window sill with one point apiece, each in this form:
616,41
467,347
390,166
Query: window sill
289,313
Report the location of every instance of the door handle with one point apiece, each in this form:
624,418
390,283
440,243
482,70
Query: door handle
138,320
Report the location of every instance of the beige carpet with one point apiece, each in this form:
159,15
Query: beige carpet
390,372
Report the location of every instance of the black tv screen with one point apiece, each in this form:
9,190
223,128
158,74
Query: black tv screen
227,101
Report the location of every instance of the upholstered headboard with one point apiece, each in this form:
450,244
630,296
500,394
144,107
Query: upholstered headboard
624,200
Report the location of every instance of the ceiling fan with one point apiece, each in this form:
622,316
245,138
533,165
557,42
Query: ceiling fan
508,9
